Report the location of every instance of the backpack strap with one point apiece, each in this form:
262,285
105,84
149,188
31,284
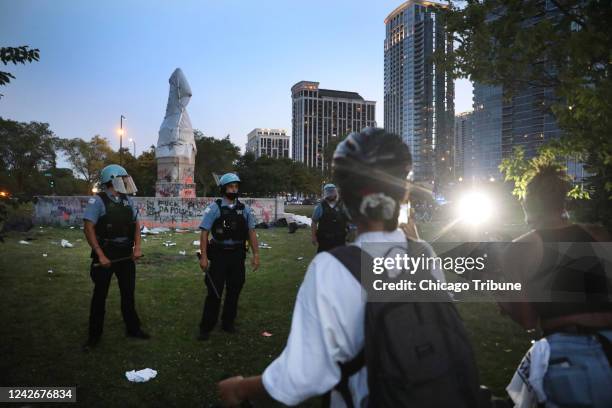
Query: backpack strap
350,256
218,201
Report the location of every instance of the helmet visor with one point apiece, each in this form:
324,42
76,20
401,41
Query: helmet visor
124,185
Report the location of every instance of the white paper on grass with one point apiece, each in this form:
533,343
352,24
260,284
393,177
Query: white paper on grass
176,134
143,375
65,244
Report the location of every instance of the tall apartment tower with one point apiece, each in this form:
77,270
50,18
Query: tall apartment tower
320,115
419,95
488,104
268,142
464,145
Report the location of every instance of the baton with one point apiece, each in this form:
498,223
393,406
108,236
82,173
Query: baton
199,255
125,258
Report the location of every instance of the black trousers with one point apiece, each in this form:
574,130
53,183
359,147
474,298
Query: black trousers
101,277
226,270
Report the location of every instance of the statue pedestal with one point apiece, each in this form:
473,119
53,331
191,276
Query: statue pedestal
175,177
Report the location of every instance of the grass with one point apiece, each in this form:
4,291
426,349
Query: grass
44,321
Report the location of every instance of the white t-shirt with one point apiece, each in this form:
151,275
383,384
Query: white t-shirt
327,328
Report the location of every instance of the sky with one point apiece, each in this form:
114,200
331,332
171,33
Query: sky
101,60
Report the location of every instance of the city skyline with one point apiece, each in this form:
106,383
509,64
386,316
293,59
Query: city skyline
99,62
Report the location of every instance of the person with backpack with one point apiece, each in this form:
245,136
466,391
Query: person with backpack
112,230
329,223
231,224
357,353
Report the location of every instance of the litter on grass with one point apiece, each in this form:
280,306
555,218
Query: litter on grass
143,375
65,244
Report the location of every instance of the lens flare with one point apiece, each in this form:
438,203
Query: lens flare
475,208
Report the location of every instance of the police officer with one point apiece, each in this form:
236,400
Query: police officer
113,232
231,224
329,222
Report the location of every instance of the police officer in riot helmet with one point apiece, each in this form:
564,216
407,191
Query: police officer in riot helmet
113,232
231,224
329,221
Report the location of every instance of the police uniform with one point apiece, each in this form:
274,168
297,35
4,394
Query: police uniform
229,224
115,219
332,225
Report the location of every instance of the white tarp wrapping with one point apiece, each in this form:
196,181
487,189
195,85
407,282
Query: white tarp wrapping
176,134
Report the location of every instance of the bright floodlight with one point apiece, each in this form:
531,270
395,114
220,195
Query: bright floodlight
475,208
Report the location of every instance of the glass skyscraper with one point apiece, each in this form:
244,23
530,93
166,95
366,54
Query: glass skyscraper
418,94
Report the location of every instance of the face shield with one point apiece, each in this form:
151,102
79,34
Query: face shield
330,194
124,185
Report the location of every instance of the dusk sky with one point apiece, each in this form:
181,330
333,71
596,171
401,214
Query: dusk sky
101,60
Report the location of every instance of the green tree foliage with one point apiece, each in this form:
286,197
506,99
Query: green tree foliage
16,55
268,177
27,149
213,156
87,158
517,43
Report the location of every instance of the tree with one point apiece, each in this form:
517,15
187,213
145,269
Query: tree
143,170
87,158
213,156
16,55
25,151
519,44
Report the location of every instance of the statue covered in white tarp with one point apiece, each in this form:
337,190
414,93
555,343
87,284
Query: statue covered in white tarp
176,149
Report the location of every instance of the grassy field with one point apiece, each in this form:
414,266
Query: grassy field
44,321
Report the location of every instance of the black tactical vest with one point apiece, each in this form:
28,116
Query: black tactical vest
332,224
117,222
231,224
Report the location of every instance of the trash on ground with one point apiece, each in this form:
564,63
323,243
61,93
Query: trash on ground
301,219
266,334
65,244
299,258
180,230
24,242
143,375
169,243
196,243
71,227
50,271
45,255
182,252
264,245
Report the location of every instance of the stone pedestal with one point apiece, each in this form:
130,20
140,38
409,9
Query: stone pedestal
175,177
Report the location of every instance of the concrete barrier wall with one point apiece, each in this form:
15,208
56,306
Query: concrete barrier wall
174,212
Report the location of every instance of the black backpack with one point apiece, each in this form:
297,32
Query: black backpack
417,354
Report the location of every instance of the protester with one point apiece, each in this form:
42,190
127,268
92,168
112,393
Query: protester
112,230
329,222
577,333
325,348
231,224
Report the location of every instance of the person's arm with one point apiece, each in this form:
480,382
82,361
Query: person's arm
137,252
255,248
314,225
203,249
234,390
92,240
520,261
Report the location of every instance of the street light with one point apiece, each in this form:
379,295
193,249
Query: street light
121,139
134,145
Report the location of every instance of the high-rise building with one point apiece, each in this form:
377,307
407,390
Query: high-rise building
268,142
487,133
320,115
464,145
419,94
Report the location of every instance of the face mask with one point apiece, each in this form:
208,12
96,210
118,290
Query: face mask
330,199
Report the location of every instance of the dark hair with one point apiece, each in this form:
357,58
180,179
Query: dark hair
546,192
369,162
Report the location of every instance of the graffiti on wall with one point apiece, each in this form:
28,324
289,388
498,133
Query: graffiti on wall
171,212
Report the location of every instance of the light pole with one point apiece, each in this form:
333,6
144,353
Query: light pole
134,145
121,140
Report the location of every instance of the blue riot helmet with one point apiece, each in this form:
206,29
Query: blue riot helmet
121,181
226,179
